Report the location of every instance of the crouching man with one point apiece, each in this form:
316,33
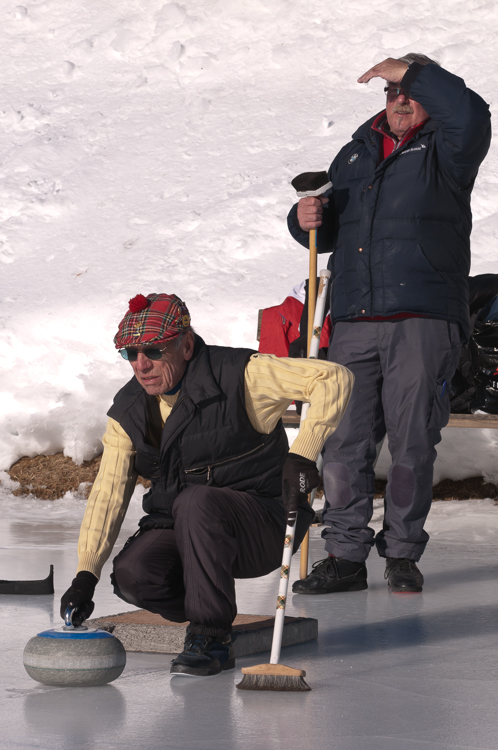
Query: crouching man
202,423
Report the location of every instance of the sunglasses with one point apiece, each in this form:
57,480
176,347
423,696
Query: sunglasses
131,355
393,92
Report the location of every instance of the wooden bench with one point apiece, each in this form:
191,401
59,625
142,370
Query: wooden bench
482,421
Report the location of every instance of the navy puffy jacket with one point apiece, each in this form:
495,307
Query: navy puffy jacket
410,213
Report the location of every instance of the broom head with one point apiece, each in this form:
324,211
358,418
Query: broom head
273,677
311,184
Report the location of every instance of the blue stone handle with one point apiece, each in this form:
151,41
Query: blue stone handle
68,617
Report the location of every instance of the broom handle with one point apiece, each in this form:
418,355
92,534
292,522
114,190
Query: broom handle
313,353
278,627
290,530
303,571
311,287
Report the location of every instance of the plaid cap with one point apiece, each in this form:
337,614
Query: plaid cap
152,319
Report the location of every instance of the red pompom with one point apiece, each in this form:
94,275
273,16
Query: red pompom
138,303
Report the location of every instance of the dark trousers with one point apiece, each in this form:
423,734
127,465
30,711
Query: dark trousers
187,573
403,371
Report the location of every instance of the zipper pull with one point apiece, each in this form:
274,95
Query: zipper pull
208,474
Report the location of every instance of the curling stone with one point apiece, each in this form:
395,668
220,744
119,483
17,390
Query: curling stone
74,656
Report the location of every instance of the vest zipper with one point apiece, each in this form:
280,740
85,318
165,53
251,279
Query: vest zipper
209,467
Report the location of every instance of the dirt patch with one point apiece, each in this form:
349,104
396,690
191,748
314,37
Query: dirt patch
475,488
50,477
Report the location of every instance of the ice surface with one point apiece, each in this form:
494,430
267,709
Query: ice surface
398,672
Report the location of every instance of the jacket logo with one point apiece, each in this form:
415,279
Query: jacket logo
352,158
414,148
302,483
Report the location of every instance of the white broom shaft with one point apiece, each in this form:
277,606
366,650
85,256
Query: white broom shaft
317,324
318,318
278,628
314,347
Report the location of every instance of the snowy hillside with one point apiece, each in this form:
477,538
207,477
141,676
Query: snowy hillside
149,147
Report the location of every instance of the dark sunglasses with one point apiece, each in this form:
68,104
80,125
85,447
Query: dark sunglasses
393,91
131,355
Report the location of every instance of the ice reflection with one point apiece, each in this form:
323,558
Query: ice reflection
83,717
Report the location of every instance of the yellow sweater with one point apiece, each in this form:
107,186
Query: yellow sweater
271,384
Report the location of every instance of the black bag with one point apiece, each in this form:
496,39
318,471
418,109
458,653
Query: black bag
486,343
475,383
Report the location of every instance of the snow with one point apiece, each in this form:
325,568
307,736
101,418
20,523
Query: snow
149,146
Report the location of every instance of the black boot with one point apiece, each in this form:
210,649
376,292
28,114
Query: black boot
403,576
333,574
203,656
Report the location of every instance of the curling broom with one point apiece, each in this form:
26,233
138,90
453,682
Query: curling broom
312,185
275,676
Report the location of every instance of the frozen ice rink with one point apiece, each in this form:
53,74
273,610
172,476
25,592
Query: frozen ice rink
387,673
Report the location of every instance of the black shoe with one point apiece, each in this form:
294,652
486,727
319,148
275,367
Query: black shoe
203,656
333,574
403,576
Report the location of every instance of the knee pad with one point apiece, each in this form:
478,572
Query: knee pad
402,486
337,485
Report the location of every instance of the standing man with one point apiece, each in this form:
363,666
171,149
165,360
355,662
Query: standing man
398,225
203,424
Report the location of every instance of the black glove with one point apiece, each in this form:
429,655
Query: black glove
299,477
79,595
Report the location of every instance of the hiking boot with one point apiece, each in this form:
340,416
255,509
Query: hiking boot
333,574
403,576
203,656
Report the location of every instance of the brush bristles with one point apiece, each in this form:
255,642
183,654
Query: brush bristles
273,682
309,181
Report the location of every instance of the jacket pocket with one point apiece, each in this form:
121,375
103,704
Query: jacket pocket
440,412
403,279
204,474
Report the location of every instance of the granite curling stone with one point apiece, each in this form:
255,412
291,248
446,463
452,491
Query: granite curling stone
72,656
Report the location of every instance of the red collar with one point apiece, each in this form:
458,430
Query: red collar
390,142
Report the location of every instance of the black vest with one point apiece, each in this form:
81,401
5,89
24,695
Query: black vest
207,439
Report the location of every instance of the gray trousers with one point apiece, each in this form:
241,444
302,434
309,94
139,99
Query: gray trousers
403,370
